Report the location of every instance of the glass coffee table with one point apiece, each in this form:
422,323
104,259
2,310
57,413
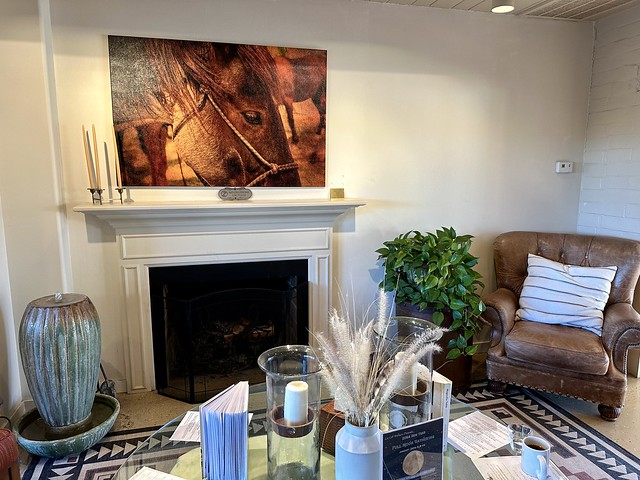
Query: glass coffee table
161,453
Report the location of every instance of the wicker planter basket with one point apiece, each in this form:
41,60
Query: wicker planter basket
330,422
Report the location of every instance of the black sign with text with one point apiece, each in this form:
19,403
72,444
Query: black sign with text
413,452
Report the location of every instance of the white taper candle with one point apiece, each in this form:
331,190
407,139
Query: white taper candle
116,158
92,183
96,157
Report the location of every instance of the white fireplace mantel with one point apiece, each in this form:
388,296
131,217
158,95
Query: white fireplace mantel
142,217
180,233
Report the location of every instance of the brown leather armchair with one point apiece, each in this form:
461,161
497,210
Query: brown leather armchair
556,358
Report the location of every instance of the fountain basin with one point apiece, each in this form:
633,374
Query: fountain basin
31,430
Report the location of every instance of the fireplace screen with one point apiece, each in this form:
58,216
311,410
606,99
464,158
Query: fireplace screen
208,332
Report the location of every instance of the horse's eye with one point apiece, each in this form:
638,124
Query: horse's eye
252,117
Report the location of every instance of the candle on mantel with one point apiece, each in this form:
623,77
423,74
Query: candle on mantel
92,184
296,403
97,163
117,159
409,380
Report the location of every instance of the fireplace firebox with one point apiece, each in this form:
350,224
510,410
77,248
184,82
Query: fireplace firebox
211,322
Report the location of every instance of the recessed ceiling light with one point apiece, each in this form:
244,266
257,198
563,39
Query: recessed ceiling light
502,6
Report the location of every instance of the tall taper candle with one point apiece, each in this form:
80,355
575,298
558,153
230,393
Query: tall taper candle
117,158
97,162
86,156
107,156
296,402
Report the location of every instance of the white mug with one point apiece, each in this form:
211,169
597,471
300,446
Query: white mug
535,457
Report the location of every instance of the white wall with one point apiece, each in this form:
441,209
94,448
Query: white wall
30,202
435,117
10,391
610,190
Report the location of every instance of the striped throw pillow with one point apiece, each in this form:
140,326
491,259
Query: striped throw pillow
565,294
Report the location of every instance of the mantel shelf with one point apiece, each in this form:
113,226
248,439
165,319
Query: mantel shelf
140,217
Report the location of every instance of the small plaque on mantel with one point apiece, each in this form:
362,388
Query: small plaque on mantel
235,193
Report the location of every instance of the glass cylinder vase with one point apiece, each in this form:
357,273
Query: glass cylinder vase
411,402
293,406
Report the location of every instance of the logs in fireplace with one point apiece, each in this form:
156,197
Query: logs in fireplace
211,322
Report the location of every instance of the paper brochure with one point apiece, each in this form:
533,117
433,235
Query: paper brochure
224,434
476,434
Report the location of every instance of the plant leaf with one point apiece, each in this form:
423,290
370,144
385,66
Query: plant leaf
453,354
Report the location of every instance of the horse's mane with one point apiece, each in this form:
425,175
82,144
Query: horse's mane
181,64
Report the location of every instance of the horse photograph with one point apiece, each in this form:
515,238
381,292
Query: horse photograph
189,113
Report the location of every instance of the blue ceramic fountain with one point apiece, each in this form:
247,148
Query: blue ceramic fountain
60,348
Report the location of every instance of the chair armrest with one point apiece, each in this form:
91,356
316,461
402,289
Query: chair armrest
500,313
620,330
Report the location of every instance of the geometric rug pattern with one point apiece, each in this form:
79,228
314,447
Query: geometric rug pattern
579,451
99,462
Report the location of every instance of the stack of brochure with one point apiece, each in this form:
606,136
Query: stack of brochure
224,435
442,403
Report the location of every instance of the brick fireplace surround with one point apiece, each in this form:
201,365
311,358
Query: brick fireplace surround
170,234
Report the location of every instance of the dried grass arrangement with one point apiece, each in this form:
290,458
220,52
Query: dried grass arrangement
356,365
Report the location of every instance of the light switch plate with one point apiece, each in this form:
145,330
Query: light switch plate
563,166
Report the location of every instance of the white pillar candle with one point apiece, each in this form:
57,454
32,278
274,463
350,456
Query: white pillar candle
409,379
296,402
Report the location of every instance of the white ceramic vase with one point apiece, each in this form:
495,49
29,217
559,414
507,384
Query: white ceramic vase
358,453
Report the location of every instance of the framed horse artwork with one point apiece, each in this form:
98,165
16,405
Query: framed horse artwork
190,113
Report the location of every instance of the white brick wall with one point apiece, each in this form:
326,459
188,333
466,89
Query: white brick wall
610,190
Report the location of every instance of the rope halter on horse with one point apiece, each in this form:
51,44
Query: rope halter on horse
270,168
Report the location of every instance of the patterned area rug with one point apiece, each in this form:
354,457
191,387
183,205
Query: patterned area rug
97,463
579,451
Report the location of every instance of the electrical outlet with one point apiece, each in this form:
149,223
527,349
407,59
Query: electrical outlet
563,166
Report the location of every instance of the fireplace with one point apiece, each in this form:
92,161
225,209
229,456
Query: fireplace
211,322
153,235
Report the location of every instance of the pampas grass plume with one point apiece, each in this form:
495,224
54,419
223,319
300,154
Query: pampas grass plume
358,367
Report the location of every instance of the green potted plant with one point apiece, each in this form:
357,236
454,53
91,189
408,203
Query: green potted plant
433,276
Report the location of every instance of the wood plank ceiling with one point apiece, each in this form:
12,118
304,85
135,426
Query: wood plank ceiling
583,10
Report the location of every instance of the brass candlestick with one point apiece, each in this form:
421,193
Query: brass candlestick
96,195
